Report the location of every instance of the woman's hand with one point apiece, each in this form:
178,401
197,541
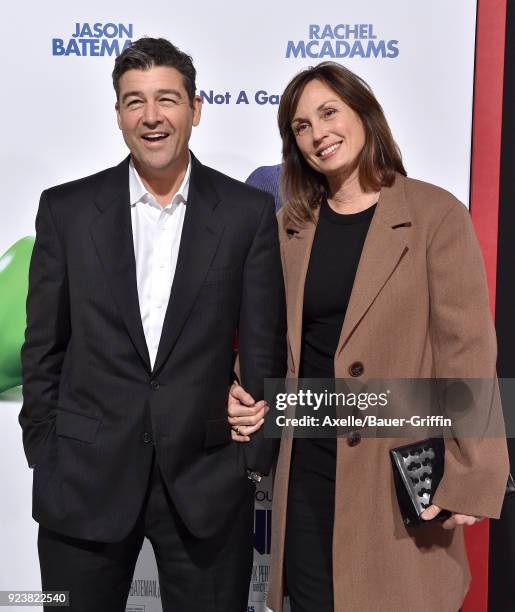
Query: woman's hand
453,521
245,415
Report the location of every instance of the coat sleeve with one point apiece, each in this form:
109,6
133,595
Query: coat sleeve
464,348
46,336
262,327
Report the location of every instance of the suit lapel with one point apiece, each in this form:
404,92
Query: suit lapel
383,250
111,232
200,237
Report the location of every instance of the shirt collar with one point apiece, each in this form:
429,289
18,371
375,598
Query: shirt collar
139,193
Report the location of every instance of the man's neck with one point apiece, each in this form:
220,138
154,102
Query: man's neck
163,184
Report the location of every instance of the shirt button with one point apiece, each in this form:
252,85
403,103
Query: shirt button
154,385
354,438
147,437
356,369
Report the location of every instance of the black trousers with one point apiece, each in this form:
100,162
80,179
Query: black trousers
308,553
195,575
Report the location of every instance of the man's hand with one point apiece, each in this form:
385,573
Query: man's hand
453,521
245,415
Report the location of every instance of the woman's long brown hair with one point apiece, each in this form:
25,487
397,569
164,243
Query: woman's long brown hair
302,188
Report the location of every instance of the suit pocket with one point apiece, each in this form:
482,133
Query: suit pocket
218,432
76,426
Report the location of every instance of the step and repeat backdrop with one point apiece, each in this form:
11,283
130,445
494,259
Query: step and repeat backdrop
60,124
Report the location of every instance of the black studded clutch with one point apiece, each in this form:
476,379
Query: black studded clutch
417,471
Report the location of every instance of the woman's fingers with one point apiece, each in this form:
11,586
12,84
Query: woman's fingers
244,415
238,437
242,433
238,393
453,521
460,519
430,513
240,415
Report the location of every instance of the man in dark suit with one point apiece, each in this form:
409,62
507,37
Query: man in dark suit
140,278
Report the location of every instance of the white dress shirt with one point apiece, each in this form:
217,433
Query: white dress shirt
156,232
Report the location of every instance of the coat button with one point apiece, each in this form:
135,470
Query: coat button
154,385
147,437
356,369
354,438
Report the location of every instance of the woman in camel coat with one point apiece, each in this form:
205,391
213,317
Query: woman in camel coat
417,307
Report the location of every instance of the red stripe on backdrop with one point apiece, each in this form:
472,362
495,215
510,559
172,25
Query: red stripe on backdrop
484,207
486,131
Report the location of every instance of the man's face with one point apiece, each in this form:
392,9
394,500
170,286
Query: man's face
156,117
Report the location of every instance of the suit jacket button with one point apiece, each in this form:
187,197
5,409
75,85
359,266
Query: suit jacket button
147,437
356,369
154,385
354,438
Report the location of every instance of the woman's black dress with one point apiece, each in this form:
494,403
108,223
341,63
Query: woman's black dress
333,263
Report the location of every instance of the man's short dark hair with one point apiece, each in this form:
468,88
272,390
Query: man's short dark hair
146,53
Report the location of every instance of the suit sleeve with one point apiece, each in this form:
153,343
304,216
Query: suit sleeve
262,327
464,347
46,336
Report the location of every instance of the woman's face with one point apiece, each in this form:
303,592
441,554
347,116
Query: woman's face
329,134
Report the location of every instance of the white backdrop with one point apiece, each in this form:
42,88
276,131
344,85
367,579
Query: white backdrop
59,124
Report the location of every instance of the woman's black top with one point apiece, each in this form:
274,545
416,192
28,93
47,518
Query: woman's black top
333,263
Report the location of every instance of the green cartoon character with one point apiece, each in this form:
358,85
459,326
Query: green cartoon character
14,280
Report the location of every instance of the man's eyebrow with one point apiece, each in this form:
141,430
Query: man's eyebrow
173,92
160,92
128,94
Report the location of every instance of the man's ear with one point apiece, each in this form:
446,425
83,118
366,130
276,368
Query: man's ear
197,110
117,109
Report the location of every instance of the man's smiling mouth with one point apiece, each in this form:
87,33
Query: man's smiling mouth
155,136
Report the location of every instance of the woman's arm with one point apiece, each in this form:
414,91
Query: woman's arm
464,349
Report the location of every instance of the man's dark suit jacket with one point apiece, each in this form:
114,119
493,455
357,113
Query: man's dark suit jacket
93,408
